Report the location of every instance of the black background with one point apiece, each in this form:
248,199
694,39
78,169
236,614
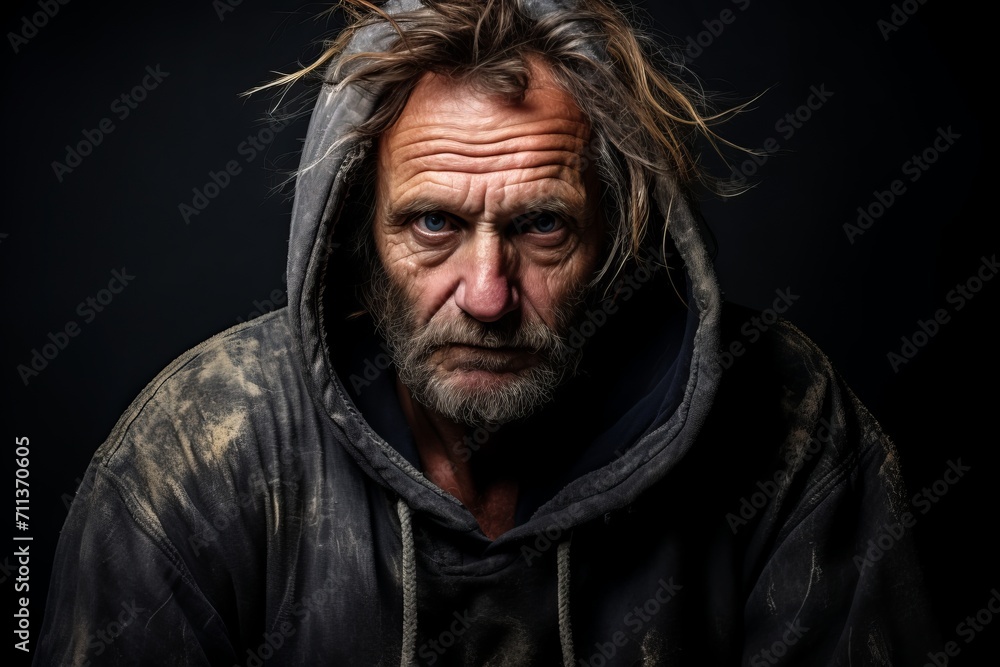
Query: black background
119,208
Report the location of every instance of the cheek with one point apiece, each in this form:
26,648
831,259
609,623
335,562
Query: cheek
549,277
430,294
426,286
547,287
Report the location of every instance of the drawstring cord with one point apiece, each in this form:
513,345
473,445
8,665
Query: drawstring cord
565,625
408,653
409,576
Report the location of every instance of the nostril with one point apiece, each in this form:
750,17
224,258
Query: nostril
486,298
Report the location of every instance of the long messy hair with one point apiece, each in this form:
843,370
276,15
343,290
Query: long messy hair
644,121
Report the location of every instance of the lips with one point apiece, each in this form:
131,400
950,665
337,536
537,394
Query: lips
467,357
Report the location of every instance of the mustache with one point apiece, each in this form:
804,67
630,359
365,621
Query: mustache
533,336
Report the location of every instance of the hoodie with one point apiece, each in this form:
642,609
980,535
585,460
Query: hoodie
262,501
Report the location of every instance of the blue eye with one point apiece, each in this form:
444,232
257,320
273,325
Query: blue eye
540,222
433,222
546,222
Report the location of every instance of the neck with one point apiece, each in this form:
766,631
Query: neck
452,465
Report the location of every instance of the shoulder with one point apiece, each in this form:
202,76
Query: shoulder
174,505
200,419
775,369
809,428
815,497
753,339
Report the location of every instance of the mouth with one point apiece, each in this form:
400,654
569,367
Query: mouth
500,349
479,358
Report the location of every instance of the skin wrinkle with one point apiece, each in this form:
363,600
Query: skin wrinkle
465,200
485,198
553,136
492,261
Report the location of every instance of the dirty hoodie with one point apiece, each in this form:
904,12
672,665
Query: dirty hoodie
261,501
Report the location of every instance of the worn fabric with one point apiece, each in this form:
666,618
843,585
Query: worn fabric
261,501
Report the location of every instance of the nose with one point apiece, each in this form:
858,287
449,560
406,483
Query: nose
485,290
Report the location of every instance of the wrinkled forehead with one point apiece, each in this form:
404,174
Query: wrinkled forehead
476,153
443,106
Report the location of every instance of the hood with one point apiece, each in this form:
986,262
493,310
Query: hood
650,398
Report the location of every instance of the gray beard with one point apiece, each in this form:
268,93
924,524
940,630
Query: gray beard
520,393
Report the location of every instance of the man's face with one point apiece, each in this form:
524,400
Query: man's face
488,232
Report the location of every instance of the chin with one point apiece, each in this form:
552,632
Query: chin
477,382
479,397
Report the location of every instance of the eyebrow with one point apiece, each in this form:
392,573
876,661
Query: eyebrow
553,205
395,216
417,205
